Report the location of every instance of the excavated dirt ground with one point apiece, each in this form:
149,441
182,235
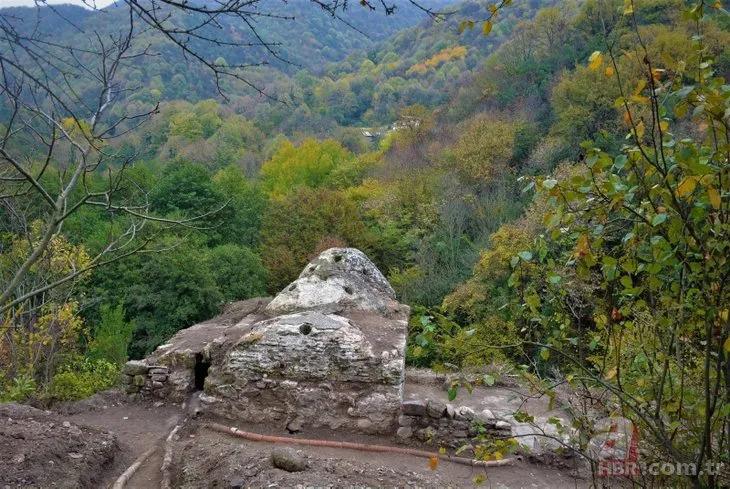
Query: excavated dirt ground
42,449
207,459
213,460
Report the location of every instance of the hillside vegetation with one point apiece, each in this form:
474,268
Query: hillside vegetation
551,200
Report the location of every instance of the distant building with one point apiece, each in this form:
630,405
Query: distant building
406,123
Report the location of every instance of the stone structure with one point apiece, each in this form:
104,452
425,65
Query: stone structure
328,351
331,356
139,377
445,425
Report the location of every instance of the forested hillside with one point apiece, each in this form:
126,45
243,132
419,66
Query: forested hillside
548,198
298,35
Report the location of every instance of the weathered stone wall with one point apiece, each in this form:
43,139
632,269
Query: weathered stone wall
205,342
445,425
141,379
328,351
332,356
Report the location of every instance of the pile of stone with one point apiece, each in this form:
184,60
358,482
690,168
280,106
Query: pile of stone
142,379
433,421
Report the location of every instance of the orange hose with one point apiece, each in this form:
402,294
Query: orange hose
363,447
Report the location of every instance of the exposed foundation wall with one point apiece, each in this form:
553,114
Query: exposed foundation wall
441,424
141,379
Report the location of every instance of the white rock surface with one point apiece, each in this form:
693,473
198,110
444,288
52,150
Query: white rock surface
338,279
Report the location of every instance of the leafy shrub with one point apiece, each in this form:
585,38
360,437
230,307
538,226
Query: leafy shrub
428,330
82,378
470,347
111,336
22,387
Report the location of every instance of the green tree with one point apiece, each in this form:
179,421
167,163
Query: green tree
170,291
238,272
241,218
584,105
186,189
643,234
484,149
111,336
294,225
308,164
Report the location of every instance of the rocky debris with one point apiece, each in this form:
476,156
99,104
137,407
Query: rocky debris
445,425
237,484
41,450
541,440
286,458
436,409
333,356
463,413
135,367
414,408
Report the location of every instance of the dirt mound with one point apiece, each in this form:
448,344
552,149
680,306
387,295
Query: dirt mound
41,449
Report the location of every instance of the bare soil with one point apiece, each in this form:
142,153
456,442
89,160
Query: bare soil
207,459
138,427
42,449
106,433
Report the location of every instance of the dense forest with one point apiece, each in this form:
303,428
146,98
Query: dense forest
549,194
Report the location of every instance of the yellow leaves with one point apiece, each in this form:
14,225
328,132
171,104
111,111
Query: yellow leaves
717,4
610,71
433,462
640,87
715,198
627,117
76,127
611,373
443,56
595,61
664,125
726,345
686,186
628,7
486,28
636,96
57,327
493,9
465,24
640,130
582,248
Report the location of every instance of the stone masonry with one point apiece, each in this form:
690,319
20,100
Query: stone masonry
143,379
327,351
331,356
445,425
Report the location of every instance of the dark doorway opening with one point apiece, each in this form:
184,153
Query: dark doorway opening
201,371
